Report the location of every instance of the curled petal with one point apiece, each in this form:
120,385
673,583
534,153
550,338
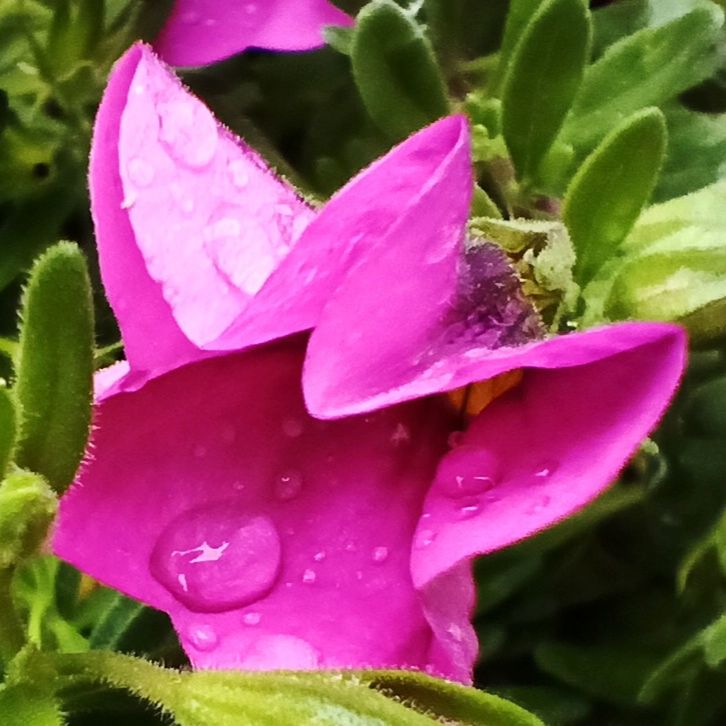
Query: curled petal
544,450
204,31
190,221
273,540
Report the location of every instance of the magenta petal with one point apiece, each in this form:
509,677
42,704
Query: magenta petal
368,219
203,31
189,219
545,449
277,540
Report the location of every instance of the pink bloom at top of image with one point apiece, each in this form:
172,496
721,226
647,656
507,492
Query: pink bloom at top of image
199,32
296,500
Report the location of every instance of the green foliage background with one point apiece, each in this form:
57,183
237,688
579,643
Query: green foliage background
579,115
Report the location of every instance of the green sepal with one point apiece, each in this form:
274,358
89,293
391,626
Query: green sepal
644,69
542,79
228,698
339,38
395,70
611,188
27,507
8,429
54,383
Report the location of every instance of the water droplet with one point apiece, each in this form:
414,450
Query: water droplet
359,574
217,557
292,427
309,577
229,434
455,439
203,637
200,451
188,130
320,556
141,172
379,554
273,652
538,506
252,618
545,469
425,538
350,547
467,471
288,485
401,435
238,170
455,632
469,510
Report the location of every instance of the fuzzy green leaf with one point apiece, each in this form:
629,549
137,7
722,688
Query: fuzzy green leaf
8,429
395,70
25,705
644,69
542,79
611,188
55,365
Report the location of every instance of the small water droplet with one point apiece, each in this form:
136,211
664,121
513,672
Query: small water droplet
188,130
309,577
538,506
379,554
288,485
200,451
292,427
141,172
203,637
217,557
252,618
545,469
425,538
469,510
467,471
238,170
401,435
455,439
359,574
350,547
320,556
455,632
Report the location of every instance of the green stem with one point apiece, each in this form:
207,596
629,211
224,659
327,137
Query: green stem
12,637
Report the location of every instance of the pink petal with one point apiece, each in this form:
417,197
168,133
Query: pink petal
369,218
190,221
204,31
223,451
544,450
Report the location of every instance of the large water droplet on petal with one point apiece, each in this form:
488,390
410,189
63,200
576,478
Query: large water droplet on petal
379,554
272,652
189,131
216,558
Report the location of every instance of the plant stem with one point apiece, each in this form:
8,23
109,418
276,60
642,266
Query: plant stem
12,637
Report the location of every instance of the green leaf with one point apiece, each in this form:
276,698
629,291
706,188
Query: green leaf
644,69
8,429
542,79
339,38
26,705
611,188
395,70
55,365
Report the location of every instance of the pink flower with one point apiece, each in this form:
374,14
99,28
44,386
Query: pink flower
276,539
199,32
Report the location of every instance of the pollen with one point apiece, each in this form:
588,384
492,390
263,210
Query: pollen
471,400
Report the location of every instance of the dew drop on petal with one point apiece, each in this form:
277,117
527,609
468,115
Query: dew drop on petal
539,505
273,652
188,130
140,172
380,554
252,618
468,471
320,556
425,538
309,577
545,469
288,485
216,557
469,510
203,637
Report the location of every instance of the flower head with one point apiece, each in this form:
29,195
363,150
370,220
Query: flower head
199,32
335,527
